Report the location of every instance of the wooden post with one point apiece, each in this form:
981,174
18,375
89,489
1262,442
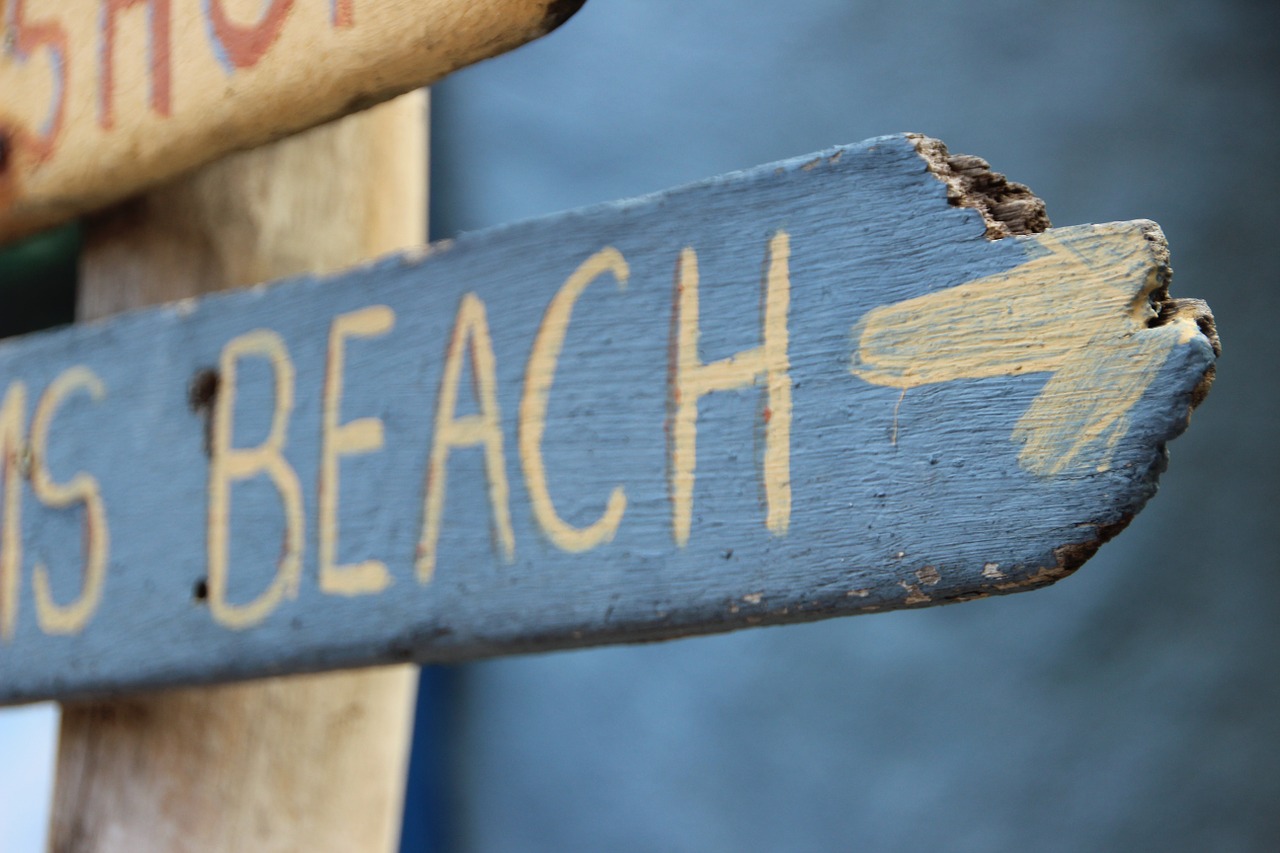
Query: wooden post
309,763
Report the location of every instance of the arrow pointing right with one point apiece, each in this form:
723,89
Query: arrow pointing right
1089,307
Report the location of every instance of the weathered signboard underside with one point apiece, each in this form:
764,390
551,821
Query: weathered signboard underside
868,379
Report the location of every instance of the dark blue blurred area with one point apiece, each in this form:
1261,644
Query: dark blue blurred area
427,824
1134,706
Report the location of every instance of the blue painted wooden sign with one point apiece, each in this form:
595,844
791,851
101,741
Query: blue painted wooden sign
863,380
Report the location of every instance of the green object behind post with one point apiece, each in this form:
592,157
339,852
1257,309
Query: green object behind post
38,281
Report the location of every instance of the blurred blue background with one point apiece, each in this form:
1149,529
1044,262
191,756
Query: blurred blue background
1132,707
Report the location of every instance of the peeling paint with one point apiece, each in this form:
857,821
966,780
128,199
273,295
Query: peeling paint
914,595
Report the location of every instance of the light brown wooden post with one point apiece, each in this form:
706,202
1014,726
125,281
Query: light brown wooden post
313,763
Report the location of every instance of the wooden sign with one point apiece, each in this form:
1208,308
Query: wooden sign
100,99
815,388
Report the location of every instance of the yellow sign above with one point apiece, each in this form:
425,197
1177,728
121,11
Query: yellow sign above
100,99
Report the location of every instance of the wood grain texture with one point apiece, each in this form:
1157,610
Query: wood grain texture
307,763
104,98
813,388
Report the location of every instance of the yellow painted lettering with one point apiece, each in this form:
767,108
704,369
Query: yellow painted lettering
83,488
484,429
691,380
228,464
337,440
539,376
12,414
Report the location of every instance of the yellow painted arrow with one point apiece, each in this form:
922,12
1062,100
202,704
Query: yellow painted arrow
1080,309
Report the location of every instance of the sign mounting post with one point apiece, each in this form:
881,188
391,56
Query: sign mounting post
314,763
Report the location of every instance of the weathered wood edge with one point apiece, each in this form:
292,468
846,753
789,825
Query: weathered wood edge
1012,209
1008,209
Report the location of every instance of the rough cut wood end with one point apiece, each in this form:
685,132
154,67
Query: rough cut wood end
1007,207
